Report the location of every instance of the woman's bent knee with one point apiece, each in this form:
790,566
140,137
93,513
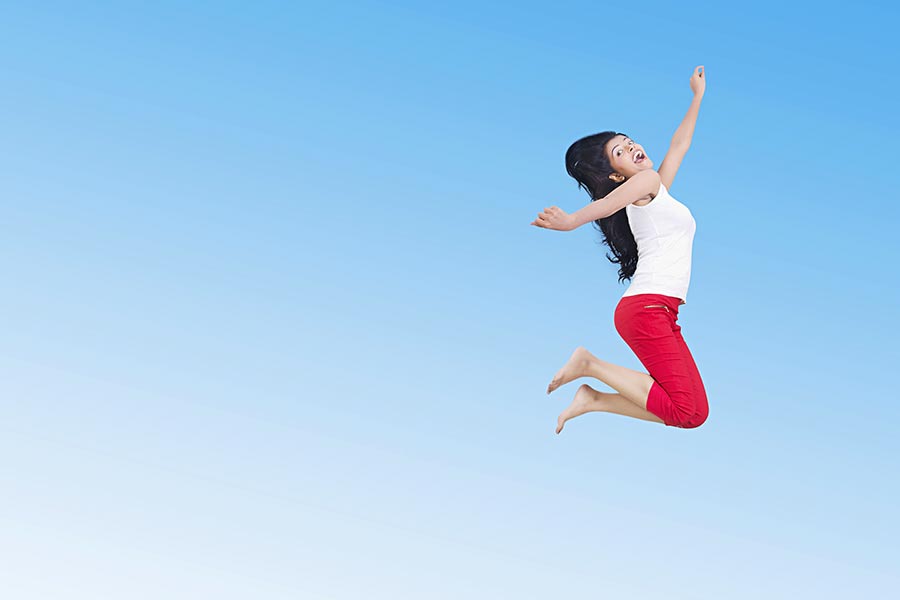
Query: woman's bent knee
695,421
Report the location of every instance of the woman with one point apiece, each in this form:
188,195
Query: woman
651,235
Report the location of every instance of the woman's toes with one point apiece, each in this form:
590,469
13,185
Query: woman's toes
554,383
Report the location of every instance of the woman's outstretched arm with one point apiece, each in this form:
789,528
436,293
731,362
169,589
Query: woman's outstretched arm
681,140
637,187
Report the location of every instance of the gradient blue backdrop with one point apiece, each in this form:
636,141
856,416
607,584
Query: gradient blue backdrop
275,324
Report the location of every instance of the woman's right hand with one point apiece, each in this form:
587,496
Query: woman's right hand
555,218
698,81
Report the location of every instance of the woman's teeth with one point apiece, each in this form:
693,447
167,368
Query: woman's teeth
639,157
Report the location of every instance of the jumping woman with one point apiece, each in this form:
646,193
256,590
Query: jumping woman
651,235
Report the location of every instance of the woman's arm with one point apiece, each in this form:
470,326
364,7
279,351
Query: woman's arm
681,141
642,185
685,131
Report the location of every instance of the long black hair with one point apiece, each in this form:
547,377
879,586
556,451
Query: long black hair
588,164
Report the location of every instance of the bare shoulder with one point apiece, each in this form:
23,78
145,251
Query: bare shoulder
651,184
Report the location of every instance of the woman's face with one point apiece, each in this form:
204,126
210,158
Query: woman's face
622,152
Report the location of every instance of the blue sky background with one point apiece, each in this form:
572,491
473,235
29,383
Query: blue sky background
275,324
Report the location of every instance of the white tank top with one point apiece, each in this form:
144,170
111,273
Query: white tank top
664,232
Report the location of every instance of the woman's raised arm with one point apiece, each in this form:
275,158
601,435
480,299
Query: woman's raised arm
685,132
681,140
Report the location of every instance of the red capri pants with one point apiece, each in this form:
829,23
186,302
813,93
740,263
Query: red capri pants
648,324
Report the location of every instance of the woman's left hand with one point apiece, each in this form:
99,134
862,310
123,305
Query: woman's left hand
555,218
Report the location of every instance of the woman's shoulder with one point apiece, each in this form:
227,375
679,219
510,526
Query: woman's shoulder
646,201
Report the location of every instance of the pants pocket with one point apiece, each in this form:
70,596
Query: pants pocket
657,306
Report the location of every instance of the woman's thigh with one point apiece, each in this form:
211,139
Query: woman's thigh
648,324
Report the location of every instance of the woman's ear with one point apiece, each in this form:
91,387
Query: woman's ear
618,178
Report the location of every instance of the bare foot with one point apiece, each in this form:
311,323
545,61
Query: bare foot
576,367
585,401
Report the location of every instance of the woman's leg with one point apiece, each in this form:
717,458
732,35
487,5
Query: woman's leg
649,325
702,403
587,399
673,389
632,385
